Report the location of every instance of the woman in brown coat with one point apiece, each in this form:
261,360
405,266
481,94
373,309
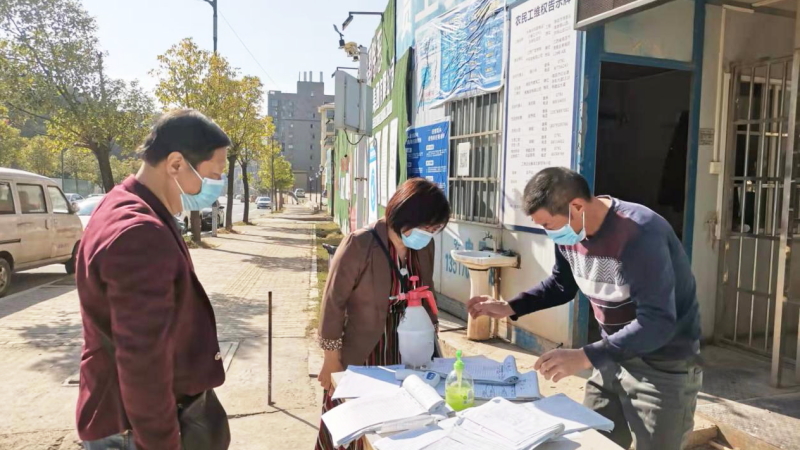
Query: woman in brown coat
360,313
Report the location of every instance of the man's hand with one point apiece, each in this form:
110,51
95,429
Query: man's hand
560,363
484,305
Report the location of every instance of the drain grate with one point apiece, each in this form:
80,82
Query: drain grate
227,351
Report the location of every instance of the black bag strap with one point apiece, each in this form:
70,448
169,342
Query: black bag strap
392,264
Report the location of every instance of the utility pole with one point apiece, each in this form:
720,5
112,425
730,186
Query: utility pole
215,205
213,4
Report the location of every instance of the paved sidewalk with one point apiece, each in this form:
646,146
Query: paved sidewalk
40,338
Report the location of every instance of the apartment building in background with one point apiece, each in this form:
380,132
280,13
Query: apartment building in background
298,125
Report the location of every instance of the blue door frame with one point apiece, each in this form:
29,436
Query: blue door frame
586,159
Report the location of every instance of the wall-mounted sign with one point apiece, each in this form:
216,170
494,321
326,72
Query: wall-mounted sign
543,54
427,152
462,156
373,181
460,53
392,179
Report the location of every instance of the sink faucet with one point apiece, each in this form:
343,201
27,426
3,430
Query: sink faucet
488,236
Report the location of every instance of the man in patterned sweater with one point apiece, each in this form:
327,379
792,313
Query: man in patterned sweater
630,264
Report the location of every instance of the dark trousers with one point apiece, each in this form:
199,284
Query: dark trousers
651,403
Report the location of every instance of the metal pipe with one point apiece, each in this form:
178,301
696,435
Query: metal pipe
743,206
783,254
269,351
720,75
765,90
775,173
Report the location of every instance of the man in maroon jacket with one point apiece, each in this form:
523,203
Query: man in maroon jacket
150,338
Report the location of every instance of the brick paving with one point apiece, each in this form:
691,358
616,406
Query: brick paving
40,338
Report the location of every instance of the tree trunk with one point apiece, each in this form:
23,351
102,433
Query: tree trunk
229,207
246,184
104,162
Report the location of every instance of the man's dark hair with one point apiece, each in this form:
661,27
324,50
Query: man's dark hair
417,203
185,131
553,189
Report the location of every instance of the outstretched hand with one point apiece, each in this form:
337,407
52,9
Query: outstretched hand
484,305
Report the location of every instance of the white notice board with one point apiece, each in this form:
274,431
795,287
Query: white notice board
392,179
383,153
543,55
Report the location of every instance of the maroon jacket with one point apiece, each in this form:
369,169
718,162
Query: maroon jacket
137,285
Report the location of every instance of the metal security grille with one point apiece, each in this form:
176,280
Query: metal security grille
759,286
477,121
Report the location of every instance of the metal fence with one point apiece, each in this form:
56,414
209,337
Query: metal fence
479,122
759,306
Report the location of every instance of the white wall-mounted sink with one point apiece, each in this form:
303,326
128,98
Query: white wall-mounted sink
482,260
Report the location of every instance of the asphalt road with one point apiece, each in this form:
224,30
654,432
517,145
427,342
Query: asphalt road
238,211
32,278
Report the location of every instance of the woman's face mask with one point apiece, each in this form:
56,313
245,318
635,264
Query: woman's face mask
417,239
210,190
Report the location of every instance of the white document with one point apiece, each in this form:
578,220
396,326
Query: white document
442,436
497,425
527,388
572,414
463,153
359,381
413,406
482,369
511,425
413,439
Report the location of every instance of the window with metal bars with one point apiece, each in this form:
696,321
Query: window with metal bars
477,121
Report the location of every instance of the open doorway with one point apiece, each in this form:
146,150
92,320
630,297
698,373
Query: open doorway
643,141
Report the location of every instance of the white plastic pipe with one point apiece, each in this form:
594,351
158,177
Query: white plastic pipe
720,72
720,75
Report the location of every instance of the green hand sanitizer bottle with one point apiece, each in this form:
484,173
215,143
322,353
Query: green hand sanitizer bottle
459,389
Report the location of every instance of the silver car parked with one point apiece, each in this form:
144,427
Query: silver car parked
38,225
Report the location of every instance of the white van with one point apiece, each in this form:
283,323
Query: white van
38,226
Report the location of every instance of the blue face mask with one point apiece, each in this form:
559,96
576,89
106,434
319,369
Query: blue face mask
417,240
566,235
210,191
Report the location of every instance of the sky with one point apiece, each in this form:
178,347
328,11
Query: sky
285,37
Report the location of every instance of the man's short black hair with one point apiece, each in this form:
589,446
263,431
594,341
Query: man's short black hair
417,203
187,132
553,189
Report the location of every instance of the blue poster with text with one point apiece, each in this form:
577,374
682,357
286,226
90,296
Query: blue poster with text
427,149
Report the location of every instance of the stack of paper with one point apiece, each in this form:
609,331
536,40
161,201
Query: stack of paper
496,425
510,425
359,381
572,414
527,388
415,405
481,369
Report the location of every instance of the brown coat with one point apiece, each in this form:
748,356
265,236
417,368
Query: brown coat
355,303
